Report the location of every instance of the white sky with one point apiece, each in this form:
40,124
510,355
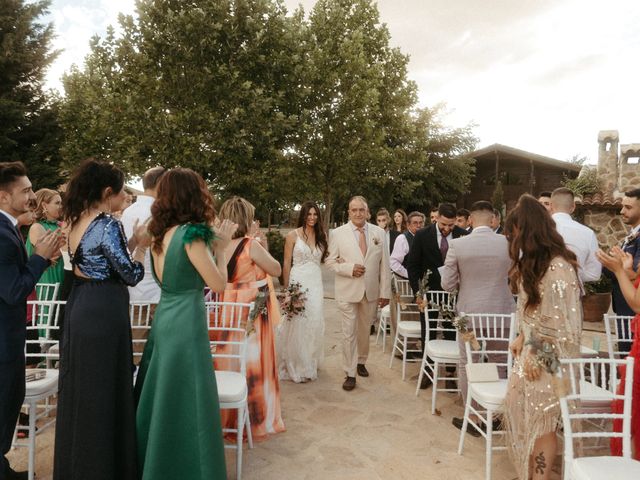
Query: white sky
540,75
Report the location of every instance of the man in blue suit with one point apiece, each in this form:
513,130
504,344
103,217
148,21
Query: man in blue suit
630,214
18,277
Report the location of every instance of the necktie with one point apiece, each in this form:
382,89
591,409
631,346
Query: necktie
362,241
444,247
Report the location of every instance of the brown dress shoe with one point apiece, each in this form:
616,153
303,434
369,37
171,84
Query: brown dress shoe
362,370
349,384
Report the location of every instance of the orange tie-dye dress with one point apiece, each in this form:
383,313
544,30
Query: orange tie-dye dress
243,286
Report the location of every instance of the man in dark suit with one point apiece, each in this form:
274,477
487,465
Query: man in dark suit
630,213
19,276
428,252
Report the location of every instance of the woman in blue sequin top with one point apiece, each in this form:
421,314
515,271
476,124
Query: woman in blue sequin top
95,432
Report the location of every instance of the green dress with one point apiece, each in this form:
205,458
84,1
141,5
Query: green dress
178,420
55,273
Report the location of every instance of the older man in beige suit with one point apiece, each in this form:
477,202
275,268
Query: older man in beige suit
477,265
358,256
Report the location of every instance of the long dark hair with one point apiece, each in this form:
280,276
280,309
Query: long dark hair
182,197
87,185
318,228
403,225
533,243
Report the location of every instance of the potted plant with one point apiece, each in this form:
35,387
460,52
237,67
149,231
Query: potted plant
597,299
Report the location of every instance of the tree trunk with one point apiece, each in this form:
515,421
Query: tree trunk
327,209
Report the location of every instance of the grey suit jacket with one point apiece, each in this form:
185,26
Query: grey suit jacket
478,266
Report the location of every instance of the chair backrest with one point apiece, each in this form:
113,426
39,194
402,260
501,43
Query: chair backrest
140,319
47,291
227,322
436,325
46,318
440,298
402,286
494,333
578,369
619,335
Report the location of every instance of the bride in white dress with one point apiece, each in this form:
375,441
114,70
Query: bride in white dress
300,340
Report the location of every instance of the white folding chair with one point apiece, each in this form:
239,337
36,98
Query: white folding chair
226,324
619,335
39,391
140,319
596,467
45,292
441,352
384,325
441,298
406,330
490,395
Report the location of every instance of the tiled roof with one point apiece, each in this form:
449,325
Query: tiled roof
601,199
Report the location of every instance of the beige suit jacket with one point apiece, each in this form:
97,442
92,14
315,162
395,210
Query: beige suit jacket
478,266
344,253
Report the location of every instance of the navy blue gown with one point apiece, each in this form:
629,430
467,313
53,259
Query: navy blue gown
95,431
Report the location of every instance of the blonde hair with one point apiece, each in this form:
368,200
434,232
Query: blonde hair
240,211
43,196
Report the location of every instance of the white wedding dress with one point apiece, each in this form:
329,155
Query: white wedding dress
300,340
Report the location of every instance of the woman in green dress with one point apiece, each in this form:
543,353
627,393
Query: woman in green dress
48,212
178,420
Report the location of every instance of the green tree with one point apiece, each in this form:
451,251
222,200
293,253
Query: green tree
206,85
29,129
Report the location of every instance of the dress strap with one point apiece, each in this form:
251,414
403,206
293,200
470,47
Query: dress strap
233,261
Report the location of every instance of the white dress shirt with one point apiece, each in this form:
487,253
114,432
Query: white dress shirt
582,241
147,290
400,250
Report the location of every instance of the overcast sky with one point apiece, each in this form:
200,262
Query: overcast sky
540,75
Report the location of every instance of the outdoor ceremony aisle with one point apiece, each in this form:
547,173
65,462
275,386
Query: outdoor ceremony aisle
378,431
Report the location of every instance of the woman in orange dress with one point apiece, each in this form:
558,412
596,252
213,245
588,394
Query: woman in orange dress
249,271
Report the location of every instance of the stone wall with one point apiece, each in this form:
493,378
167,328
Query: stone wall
629,177
607,224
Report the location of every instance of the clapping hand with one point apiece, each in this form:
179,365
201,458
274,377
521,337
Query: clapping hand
48,246
616,259
141,234
224,231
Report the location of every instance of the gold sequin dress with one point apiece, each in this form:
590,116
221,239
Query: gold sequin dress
531,407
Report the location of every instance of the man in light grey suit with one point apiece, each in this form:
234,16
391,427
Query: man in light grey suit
477,265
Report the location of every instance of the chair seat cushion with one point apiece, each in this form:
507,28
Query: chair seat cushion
489,394
443,348
385,311
48,384
55,349
597,468
409,328
232,386
587,352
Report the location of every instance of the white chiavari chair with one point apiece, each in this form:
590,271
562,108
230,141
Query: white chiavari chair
42,383
494,333
226,322
589,379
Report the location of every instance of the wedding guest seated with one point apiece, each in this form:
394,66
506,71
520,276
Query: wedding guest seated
398,259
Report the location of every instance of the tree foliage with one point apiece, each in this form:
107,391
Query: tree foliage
275,107
29,129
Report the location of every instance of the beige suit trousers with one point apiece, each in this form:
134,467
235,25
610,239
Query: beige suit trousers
356,326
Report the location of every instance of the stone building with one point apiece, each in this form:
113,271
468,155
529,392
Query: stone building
519,172
618,172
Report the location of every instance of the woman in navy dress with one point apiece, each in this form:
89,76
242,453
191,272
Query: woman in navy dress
95,432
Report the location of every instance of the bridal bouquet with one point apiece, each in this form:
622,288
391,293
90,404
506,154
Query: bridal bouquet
292,300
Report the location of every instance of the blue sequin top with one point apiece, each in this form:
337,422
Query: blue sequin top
102,253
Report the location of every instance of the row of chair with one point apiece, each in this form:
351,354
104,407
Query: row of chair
225,322
498,331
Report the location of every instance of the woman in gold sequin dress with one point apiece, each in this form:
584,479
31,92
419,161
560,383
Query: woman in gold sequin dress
549,314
